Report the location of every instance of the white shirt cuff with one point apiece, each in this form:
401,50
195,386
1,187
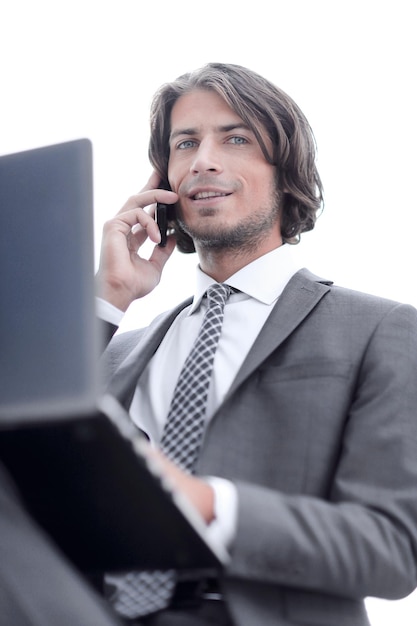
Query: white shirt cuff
223,527
108,312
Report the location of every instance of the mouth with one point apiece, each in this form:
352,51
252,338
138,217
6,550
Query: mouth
203,195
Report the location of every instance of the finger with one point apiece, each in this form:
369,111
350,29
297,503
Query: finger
146,198
160,255
140,234
137,219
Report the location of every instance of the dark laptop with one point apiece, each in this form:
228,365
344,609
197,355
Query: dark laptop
77,458
47,326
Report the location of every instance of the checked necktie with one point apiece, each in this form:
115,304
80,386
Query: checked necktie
141,593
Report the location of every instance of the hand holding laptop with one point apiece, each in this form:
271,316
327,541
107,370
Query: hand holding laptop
197,491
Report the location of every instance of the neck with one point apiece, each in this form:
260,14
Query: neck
221,264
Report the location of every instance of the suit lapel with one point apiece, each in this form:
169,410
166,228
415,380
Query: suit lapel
122,385
300,296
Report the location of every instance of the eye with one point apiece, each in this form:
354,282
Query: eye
238,141
187,143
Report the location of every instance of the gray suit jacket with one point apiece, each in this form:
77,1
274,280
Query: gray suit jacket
319,434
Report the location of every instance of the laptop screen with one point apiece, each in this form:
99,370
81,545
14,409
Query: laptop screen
48,335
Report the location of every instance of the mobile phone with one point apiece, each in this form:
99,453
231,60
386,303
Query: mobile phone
164,214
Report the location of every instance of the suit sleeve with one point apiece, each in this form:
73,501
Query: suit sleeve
361,539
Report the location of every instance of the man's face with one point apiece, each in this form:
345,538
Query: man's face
227,189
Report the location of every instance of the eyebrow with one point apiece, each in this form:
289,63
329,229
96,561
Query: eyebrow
218,129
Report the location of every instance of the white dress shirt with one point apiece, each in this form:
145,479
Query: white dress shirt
260,284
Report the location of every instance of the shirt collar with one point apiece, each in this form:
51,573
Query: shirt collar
263,279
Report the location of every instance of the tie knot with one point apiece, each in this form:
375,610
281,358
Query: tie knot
218,293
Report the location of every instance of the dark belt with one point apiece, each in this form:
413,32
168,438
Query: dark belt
191,593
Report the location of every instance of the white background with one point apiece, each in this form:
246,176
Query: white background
89,69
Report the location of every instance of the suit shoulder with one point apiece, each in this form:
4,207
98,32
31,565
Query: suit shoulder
361,305
366,300
348,299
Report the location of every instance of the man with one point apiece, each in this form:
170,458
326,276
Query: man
307,467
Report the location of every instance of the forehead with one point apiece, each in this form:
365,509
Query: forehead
200,108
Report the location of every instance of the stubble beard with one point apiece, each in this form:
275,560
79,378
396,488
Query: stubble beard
245,236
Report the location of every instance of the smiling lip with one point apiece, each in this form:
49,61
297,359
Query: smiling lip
203,194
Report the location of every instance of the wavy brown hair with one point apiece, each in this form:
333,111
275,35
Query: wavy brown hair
263,107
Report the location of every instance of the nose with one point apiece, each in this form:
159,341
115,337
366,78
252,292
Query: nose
206,158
